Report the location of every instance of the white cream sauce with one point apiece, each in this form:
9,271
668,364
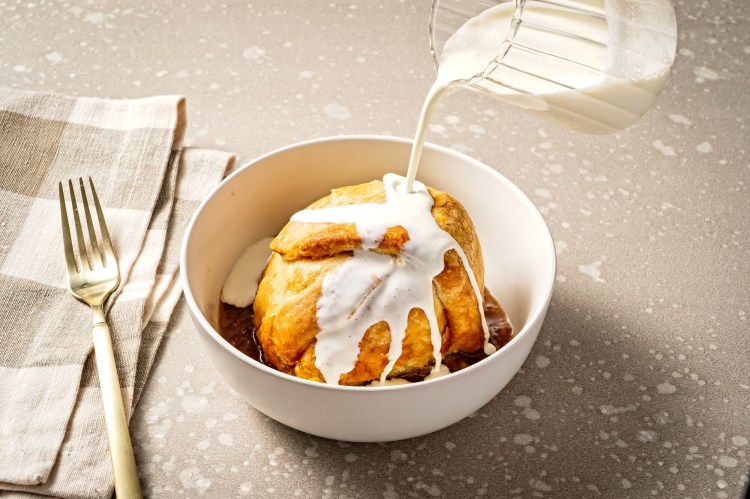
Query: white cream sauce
371,287
443,371
242,284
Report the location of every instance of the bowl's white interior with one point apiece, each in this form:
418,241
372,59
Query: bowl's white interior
258,200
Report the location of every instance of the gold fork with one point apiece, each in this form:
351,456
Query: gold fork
92,284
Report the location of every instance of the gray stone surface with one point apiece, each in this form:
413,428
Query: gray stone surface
638,384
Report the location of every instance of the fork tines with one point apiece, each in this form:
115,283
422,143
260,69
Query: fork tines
99,256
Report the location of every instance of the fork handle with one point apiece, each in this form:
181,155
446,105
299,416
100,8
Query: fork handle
127,485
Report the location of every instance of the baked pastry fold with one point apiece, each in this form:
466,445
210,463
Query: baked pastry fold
285,307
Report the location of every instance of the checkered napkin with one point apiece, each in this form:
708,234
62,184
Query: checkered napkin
52,433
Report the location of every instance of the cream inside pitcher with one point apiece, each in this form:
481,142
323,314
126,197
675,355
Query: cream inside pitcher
594,66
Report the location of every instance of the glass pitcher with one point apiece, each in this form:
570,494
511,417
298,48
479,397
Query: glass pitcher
594,66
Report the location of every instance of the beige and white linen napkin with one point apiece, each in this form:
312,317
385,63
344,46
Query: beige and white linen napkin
52,434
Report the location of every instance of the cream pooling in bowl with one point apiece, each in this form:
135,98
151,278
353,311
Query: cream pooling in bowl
371,287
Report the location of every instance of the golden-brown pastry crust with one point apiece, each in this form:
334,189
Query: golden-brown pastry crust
286,303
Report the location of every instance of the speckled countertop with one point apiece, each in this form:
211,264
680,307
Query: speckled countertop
638,384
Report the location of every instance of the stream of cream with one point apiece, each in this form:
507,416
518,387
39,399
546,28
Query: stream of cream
573,86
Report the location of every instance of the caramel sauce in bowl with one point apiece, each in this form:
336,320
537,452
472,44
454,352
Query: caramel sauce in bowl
236,327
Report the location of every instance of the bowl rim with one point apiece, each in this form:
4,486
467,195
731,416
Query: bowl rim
208,329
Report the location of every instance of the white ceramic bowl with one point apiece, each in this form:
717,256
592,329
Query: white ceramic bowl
258,199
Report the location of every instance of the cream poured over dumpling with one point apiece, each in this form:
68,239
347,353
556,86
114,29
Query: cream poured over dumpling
371,287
